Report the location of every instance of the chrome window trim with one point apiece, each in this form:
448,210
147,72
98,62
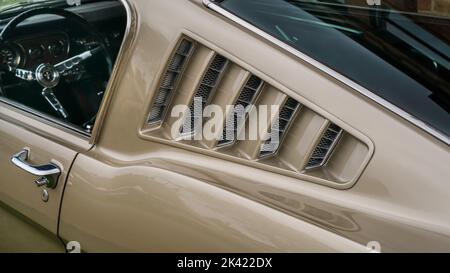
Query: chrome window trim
350,83
123,57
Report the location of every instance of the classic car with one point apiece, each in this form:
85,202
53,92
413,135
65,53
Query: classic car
224,126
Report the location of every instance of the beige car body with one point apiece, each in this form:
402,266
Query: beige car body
130,188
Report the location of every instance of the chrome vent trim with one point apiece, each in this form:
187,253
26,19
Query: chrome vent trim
205,92
247,96
286,116
325,147
169,82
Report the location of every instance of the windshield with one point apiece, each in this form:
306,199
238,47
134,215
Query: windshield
399,50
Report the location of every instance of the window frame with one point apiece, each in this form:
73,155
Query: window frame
215,7
91,138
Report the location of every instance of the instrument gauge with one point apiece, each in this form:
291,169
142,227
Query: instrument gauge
57,48
36,52
9,56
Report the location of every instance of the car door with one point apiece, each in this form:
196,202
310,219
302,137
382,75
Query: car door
32,149
140,191
349,172
52,82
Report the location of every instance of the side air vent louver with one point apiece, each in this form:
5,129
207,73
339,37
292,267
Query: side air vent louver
281,125
325,147
299,140
170,80
204,93
247,97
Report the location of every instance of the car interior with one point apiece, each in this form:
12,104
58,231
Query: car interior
57,59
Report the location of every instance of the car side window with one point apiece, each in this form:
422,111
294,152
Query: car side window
399,52
60,72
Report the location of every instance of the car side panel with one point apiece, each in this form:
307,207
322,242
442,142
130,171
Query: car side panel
17,187
132,193
18,234
139,207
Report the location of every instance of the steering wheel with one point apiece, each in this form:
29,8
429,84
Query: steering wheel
49,75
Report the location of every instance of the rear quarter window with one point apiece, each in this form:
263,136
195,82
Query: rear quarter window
398,50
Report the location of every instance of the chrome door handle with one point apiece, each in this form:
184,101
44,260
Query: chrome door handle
48,173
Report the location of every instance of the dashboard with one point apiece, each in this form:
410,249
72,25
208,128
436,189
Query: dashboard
47,39
28,52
